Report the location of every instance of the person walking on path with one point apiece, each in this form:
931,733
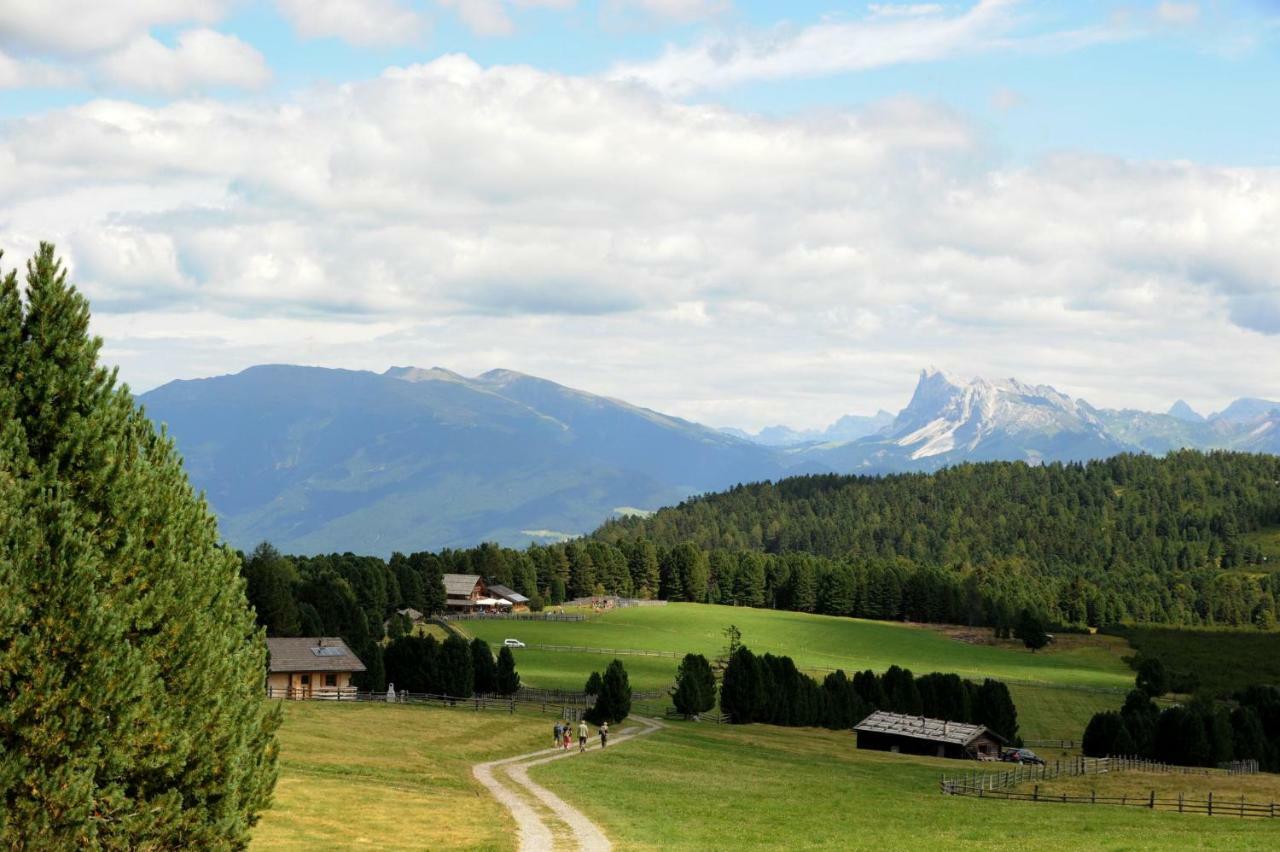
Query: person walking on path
604,734
567,736
556,737
582,735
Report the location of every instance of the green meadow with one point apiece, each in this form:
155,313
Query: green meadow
1057,690
703,786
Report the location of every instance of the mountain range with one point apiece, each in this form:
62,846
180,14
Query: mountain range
318,459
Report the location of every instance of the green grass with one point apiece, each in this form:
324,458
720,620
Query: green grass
390,777
701,786
825,641
1057,690
1221,660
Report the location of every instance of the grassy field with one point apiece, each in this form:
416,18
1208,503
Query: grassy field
1222,660
701,786
390,777
1268,541
1056,690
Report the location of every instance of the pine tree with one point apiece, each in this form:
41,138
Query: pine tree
695,690
508,677
486,670
613,704
133,710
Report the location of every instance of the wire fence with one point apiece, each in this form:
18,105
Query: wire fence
1005,785
617,652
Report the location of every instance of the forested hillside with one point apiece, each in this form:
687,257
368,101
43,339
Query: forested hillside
1131,537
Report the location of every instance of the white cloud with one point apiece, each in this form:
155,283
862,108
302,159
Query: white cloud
823,48
201,59
484,17
360,22
783,269
90,26
28,74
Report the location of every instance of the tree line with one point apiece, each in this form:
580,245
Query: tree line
454,667
1204,732
770,689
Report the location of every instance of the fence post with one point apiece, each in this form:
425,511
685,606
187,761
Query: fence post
1035,797
1179,803
1093,796
1152,803
1210,803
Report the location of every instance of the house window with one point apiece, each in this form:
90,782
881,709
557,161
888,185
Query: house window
306,680
331,680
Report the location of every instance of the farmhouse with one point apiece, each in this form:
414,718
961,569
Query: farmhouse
463,592
519,603
311,667
884,731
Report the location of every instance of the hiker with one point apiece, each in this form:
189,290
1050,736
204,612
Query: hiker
582,735
604,734
555,738
567,736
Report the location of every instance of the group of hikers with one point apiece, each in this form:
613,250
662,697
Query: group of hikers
564,731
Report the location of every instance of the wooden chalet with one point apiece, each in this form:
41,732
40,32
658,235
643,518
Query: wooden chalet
463,592
311,667
885,731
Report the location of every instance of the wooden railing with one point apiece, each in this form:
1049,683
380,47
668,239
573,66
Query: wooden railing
1004,784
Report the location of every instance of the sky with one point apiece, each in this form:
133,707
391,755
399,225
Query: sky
741,213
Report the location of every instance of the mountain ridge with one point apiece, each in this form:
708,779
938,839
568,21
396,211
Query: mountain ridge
318,459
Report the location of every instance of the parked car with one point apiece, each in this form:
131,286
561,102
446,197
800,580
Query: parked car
1022,755
513,643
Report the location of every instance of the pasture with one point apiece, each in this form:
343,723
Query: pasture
1057,690
701,786
390,776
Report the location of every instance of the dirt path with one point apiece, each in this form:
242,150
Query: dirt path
535,834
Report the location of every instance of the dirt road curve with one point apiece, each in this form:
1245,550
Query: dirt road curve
535,834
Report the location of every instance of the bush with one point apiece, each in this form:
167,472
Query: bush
1152,677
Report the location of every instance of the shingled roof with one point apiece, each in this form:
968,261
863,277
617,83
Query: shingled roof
312,654
922,728
460,585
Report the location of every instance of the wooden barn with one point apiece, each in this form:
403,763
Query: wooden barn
519,603
884,731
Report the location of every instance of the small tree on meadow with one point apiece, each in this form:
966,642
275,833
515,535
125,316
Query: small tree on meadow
1031,630
508,677
592,686
486,670
613,704
695,690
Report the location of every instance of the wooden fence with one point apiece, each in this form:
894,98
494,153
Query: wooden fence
1003,784
718,718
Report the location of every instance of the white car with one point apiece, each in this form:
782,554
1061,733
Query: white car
512,643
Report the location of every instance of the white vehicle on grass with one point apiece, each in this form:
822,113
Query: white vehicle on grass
513,643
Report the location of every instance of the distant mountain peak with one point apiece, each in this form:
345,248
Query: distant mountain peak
1182,411
418,374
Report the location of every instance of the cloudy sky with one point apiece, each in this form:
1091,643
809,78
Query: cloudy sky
742,213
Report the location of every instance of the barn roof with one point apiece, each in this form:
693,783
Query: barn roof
312,654
460,585
922,728
507,593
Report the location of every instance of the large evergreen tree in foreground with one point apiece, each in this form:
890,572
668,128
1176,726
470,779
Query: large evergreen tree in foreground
131,672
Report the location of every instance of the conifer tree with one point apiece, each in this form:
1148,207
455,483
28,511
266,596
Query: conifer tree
132,708
613,704
508,677
486,670
695,690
